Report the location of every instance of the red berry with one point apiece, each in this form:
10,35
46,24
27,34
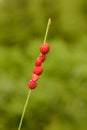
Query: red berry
38,70
35,77
42,57
45,48
38,62
32,84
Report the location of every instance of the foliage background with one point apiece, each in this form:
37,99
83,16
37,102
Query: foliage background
60,100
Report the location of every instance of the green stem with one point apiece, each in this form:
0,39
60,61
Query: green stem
24,110
28,97
46,33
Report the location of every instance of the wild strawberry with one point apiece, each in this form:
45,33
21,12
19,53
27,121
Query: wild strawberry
44,48
35,77
32,84
38,62
38,70
42,57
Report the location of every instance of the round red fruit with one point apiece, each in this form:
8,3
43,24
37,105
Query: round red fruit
32,84
42,57
35,77
38,62
38,70
44,48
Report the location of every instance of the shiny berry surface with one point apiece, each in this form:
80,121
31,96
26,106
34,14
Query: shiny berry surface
42,57
44,48
35,77
32,84
38,70
38,62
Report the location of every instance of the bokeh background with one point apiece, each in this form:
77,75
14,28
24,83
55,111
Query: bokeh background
60,100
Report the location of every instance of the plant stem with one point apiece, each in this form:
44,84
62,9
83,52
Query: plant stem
24,109
46,33
28,97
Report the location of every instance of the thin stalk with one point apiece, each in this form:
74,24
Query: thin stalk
24,109
47,29
29,93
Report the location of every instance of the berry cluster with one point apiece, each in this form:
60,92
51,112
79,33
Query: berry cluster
44,49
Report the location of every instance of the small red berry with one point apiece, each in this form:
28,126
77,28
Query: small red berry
42,57
44,48
38,62
35,77
38,70
32,84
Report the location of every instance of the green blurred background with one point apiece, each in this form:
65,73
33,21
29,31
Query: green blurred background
60,100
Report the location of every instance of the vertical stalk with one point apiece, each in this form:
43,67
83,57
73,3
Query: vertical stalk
24,110
29,93
47,29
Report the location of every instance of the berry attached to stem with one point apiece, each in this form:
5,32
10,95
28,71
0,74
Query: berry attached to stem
38,62
42,57
35,77
32,84
38,70
44,49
